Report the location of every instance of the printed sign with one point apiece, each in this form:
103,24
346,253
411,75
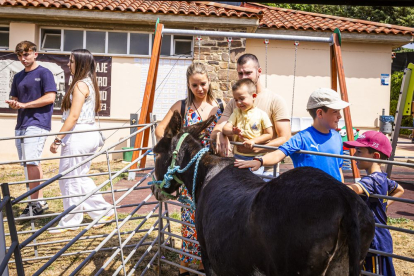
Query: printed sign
58,65
385,79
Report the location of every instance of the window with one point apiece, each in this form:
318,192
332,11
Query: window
166,45
139,44
51,39
72,40
117,43
95,41
109,42
4,37
176,45
183,45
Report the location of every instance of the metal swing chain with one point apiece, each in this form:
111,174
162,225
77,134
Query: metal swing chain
266,42
229,40
294,81
199,47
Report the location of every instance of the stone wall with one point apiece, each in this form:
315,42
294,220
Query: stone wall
214,52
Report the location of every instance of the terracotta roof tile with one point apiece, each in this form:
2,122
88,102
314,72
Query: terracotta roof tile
166,7
286,18
270,17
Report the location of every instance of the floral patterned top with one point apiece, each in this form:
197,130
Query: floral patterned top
193,118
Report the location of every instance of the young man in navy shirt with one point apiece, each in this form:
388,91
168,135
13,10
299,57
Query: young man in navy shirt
375,145
33,92
324,105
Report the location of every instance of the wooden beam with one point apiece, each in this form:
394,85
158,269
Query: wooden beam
334,73
149,90
344,95
150,108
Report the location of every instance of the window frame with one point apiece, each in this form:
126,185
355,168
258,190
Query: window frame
149,44
63,39
51,49
107,42
182,40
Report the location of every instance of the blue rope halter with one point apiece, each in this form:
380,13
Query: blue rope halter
172,170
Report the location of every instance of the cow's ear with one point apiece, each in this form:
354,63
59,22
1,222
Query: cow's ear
174,126
197,129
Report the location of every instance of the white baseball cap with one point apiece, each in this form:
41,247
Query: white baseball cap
326,97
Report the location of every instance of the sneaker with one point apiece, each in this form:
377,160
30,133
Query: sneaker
37,209
61,230
103,221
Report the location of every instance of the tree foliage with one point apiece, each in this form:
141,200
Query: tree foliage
403,16
396,81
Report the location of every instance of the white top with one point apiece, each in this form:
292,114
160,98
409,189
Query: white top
87,114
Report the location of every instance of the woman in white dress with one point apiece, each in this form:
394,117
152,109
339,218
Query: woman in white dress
79,106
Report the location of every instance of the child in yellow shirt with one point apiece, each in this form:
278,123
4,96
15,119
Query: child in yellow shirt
247,123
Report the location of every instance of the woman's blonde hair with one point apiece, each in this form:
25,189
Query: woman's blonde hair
85,66
197,68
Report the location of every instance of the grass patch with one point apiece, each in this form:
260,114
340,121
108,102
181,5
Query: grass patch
392,221
403,245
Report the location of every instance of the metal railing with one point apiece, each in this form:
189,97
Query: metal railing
124,238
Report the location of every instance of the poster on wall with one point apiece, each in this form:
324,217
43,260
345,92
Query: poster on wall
385,79
58,65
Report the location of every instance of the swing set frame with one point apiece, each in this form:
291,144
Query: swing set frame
336,69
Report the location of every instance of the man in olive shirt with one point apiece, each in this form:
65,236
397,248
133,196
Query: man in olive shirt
266,100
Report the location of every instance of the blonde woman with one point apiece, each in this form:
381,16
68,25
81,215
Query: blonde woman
199,105
79,106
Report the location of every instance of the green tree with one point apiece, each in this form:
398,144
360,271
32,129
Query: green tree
403,16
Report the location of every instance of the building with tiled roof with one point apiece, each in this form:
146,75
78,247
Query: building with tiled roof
119,33
281,18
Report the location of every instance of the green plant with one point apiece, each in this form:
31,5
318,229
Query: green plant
396,81
392,221
175,215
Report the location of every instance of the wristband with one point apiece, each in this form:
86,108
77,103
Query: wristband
259,159
57,141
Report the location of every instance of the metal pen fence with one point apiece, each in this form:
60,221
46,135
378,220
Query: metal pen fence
154,229
146,241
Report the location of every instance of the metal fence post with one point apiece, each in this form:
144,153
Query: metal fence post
133,120
160,227
12,228
116,212
3,241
